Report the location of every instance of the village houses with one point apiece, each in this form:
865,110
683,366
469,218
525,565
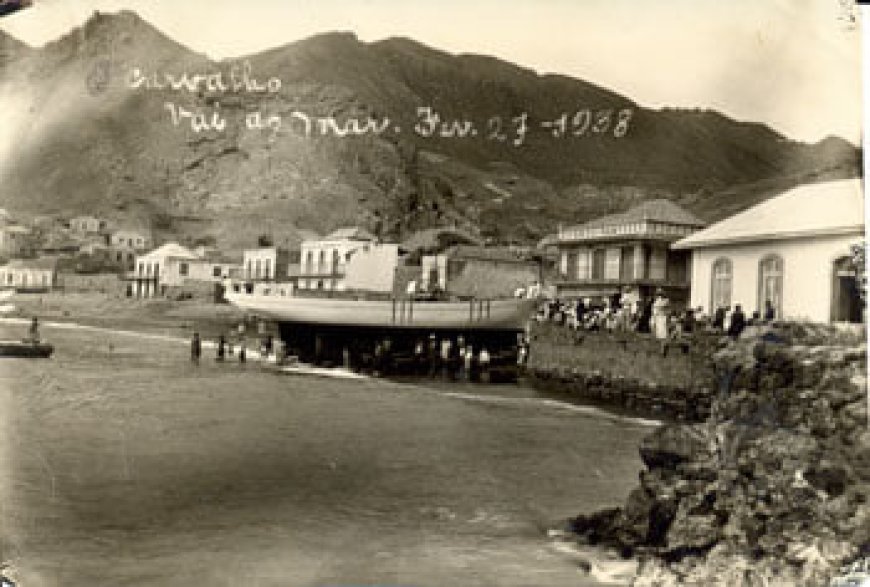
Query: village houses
791,252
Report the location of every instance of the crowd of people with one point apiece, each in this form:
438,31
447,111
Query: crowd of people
656,315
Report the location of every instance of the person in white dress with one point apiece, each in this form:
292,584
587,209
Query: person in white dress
660,315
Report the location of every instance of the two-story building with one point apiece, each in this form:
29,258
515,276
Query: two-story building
125,244
323,262
267,264
627,251
173,266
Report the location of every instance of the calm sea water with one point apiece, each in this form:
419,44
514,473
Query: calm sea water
123,464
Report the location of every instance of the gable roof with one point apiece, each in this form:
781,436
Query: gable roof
44,263
350,233
172,250
486,254
829,208
433,239
661,210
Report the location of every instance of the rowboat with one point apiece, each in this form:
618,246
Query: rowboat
25,349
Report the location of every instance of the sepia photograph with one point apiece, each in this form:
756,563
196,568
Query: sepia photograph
402,293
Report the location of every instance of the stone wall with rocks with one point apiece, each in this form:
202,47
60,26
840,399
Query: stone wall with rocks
626,370
773,488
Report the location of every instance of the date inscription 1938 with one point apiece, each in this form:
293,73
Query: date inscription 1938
427,122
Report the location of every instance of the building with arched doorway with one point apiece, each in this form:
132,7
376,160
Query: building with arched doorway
792,253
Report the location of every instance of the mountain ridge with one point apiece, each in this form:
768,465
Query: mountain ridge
114,151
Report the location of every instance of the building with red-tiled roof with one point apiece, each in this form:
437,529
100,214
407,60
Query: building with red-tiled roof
629,250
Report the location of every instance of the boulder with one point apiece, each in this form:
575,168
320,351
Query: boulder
674,444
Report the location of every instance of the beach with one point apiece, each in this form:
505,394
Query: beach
125,464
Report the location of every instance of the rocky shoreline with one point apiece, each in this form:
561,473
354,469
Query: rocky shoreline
773,488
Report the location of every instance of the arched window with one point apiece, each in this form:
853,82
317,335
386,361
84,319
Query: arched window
770,271
321,262
720,284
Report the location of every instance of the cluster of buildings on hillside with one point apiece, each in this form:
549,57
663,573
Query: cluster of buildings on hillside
793,252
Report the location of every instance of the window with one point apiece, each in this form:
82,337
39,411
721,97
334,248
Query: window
129,242
257,269
267,271
720,284
335,261
141,268
217,271
599,258
770,270
248,273
321,261
182,269
309,261
120,256
156,269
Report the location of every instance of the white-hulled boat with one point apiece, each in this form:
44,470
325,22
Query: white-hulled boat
499,314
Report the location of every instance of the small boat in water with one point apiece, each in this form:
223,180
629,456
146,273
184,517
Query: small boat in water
27,349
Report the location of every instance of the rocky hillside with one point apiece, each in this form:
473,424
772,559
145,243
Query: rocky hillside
774,489
544,148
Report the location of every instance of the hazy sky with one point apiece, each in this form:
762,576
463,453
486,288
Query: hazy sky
794,64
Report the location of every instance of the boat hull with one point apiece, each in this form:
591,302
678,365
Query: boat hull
510,314
24,349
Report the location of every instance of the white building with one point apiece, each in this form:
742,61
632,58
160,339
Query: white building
172,265
323,262
29,274
266,264
792,251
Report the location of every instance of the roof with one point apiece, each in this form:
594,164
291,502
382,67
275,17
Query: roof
829,208
49,263
16,228
172,250
661,210
485,253
432,239
350,233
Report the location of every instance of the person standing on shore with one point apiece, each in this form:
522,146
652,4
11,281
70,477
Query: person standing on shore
195,348
33,333
221,348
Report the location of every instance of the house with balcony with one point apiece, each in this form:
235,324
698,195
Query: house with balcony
323,262
629,251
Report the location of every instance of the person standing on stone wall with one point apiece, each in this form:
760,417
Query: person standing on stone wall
738,322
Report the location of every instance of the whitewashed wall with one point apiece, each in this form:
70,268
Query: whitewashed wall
808,265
